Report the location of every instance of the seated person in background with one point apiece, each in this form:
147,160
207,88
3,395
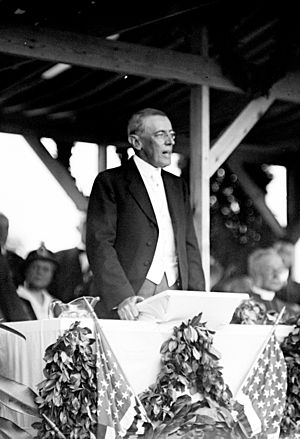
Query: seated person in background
11,307
291,291
269,275
216,272
39,268
15,262
286,250
238,284
73,278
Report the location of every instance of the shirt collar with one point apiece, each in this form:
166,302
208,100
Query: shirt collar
264,294
25,293
145,168
81,246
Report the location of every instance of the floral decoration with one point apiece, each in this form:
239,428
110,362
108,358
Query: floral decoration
68,395
290,424
190,398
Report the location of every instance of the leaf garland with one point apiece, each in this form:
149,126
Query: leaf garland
254,312
190,398
290,424
68,395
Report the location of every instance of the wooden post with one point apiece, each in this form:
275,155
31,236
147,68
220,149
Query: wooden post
102,158
199,172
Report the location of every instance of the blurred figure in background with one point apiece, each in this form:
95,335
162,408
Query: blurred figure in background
291,291
15,262
286,250
39,268
238,284
216,272
269,276
73,278
11,306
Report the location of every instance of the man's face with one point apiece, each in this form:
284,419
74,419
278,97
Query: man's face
273,273
39,274
156,141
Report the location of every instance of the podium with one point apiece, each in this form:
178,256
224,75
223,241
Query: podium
136,345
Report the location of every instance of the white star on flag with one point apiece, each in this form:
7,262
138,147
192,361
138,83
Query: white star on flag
265,390
117,405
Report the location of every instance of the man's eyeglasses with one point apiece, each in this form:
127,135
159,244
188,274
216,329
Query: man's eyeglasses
162,136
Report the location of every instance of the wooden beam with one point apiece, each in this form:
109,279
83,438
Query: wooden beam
58,172
234,134
115,56
102,158
199,172
275,153
256,195
293,197
99,53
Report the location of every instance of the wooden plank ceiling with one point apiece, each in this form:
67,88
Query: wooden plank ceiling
121,58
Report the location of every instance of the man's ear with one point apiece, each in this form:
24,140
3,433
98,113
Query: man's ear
134,141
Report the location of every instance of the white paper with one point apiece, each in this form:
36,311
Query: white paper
217,308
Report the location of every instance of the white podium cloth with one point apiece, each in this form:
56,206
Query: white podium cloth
136,345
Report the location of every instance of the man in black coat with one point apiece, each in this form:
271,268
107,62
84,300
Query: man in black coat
140,233
73,278
11,307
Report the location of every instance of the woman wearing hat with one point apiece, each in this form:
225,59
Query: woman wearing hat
39,268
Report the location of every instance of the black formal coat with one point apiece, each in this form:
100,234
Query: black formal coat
122,233
11,305
68,280
16,265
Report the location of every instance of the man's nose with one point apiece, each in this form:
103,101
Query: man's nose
170,139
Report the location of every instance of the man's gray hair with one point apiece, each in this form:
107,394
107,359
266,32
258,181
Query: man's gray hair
254,260
136,122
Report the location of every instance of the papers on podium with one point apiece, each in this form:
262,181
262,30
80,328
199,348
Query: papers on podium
177,306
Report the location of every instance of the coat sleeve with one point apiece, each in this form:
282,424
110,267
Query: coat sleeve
110,279
10,303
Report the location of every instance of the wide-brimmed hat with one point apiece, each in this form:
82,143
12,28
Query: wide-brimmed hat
41,254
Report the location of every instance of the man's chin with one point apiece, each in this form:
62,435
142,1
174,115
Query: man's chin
165,163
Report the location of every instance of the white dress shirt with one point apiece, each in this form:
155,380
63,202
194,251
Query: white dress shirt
264,294
165,258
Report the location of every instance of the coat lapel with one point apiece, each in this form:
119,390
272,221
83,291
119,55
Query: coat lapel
138,190
172,198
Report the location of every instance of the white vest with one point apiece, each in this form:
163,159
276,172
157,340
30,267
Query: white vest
165,258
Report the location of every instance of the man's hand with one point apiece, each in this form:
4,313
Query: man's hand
127,309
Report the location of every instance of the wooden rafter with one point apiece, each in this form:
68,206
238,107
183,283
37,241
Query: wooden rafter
238,129
256,195
58,171
116,56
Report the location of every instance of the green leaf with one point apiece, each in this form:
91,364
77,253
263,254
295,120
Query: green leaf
9,430
17,396
172,345
215,353
196,353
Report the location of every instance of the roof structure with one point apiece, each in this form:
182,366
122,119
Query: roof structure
227,72
120,58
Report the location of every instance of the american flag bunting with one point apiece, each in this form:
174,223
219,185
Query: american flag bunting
266,388
117,405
